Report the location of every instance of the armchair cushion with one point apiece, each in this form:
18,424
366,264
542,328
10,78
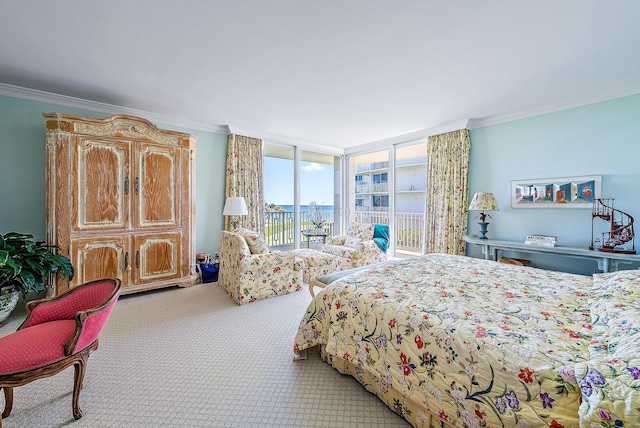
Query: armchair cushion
336,240
256,241
351,242
363,231
365,252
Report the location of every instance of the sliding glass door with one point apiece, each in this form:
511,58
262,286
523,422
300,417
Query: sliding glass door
389,187
302,193
369,188
410,193
319,194
279,195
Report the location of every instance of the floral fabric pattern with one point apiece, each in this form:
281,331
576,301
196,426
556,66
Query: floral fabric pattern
245,172
610,380
256,241
365,252
316,263
249,277
447,192
470,342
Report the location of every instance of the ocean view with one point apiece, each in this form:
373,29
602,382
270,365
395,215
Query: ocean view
305,208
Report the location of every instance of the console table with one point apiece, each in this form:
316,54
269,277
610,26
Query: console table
606,261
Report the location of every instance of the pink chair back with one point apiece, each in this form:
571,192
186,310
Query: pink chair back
90,304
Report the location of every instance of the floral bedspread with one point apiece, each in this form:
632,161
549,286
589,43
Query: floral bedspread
610,379
469,341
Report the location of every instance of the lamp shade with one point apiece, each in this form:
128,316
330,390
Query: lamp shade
235,205
483,201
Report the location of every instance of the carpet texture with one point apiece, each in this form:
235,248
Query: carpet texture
189,357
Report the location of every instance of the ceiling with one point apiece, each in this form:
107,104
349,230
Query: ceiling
330,73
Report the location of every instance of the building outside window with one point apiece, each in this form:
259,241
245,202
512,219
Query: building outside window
370,195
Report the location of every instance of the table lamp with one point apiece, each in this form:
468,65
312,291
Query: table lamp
235,206
483,201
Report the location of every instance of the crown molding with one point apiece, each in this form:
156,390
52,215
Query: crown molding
565,105
67,101
72,102
285,141
413,136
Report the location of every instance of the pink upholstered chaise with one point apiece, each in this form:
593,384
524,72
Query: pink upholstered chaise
57,333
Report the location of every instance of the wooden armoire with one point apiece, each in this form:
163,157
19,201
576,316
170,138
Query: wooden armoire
120,201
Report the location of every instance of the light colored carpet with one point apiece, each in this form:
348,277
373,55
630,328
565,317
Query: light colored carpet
189,357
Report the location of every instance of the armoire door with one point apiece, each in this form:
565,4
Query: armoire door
157,257
101,257
100,185
157,186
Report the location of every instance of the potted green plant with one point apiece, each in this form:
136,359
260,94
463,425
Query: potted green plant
25,265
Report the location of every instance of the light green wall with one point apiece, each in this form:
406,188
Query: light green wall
22,171
597,139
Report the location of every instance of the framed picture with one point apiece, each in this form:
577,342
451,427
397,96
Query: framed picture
564,192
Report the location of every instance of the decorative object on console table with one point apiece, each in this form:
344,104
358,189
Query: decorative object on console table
620,237
544,240
483,201
235,206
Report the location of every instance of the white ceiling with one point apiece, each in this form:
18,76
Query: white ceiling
336,73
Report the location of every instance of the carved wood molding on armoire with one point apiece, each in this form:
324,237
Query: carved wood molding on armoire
120,201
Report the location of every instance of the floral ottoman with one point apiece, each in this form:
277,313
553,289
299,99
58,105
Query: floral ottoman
316,263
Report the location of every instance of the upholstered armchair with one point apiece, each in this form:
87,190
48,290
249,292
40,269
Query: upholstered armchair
58,333
358,247
249,272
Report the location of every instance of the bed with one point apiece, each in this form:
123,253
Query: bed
449,340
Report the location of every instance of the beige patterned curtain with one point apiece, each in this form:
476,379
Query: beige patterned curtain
447,192
244,178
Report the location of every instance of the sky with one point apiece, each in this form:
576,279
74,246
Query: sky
316,182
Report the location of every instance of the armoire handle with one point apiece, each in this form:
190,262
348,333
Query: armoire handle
127,266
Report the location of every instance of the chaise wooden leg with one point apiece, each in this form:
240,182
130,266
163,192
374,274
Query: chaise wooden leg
80,368
8,402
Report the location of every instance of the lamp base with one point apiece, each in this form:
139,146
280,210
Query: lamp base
483,230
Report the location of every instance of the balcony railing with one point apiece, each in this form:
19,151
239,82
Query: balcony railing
365,167
409,227
372,188
279,230
279,227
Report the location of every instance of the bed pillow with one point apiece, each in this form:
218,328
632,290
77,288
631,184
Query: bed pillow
351,242
610,378
256,242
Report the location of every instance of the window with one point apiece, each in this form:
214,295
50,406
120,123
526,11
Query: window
369,188
371,198
381,201
410,193
317,183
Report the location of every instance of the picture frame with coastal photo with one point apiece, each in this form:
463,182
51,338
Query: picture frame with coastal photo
562,192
